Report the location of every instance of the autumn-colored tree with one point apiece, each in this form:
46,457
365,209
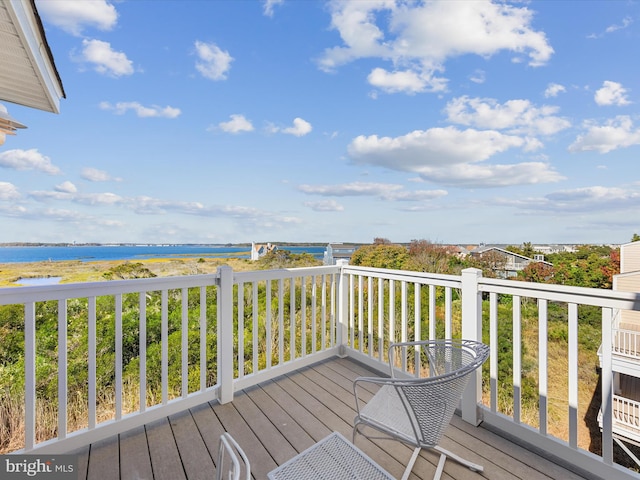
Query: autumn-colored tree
425,256
537,272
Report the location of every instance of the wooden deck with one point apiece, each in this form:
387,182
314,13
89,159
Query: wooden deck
276,420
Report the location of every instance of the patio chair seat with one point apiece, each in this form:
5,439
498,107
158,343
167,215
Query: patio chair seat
417,411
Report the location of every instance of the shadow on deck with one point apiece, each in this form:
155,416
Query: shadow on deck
278,419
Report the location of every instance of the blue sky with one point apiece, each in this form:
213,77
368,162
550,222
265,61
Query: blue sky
304,121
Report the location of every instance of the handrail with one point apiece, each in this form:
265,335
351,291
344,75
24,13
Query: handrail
202,337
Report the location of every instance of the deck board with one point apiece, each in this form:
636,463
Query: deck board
279,418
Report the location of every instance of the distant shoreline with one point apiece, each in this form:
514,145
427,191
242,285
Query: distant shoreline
138,244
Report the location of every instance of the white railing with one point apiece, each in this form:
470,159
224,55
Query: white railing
626,343
202,337
626,413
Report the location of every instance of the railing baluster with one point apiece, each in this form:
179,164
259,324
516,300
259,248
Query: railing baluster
185,343
432,312
324,312
118,352
267,321
142,340
352,343
92,363
403,320
29,375
280,322
607,389
360,313
314,303
493,346
381,351
62,368
517,359
417,325
392,311
254,315
164,339
573,375
448,315
240,330
292,319
543,366
203,338
303,316
370,315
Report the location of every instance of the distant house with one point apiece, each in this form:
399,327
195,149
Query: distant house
338,251
626,353
261,249
506,264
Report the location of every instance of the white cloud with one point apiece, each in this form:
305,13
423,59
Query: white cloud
66,187
626,21
93,199
515,116
611,93
421,37
407,81
95,175
8,191
478,76
269,5
237,124
325,206
618,132
553,89
28,160
213,62
449,156
580,200
74,16
351,189
105,59
300,128
121,108
386,191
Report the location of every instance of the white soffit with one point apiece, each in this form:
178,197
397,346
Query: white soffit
28,75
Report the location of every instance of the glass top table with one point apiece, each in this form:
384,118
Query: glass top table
333,457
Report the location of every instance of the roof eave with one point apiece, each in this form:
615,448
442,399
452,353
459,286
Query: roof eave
31,32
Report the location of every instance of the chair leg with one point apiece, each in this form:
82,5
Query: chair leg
440,468
470,465
413,459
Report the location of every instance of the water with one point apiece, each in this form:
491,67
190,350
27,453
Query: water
135,252
31,282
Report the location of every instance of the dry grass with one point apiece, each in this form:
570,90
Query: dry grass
77,271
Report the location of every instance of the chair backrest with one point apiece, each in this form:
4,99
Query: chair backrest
229,466
431,402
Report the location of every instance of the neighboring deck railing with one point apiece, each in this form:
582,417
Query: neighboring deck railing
231,330
626,343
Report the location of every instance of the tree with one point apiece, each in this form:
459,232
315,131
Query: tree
537,272
425,256
635,237
381,255
381,241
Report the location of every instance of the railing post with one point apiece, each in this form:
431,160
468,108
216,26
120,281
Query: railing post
342,331
472,330
225,334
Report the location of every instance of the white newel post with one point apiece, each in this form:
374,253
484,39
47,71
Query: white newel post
472,330
225,334
342,332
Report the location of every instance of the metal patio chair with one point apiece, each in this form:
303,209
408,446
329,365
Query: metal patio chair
417,410
229,456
